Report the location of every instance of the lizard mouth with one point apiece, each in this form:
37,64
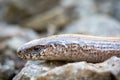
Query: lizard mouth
20,54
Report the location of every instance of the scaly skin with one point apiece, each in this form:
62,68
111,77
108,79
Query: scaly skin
71,47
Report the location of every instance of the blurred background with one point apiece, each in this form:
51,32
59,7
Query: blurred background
25,20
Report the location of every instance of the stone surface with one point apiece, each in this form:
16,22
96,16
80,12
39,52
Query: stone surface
98,25
105,6
116,9
107,70
109,7
83,8
13,34
26,9
7,68
86,8
11,37
33,69
16,30
3,9
35,7
50,20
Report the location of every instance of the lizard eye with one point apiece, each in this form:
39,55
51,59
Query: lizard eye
36,48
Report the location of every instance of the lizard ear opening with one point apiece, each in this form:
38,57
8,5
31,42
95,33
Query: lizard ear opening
42,53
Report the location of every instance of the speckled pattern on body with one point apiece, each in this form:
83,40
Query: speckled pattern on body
71,47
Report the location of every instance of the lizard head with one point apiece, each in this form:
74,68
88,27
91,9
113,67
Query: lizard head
45,48
32,50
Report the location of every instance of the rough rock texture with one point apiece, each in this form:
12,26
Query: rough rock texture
16,35
3,8
86,8
107,70
35,7
100,25
52,20
109,7
116,9
33,69
27,8
11,37
105,6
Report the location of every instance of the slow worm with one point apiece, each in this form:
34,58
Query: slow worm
71,47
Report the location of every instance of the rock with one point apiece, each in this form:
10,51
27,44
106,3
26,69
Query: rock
93,75
107,70
105,6
14,15
24,9
15,40
35,7
19,40
2,46
7,69
13,34
3,8
55,18
116,9
48,18
35,68
11,37
98,25
16,30
83,8
86,8
109,7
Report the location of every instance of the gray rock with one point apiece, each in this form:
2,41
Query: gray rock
75,71
20,10
11,37
98,25
33,69
51,20
34,7
7,69
105,6
15,36
3,8
83,8
116,9
86,8
16,30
